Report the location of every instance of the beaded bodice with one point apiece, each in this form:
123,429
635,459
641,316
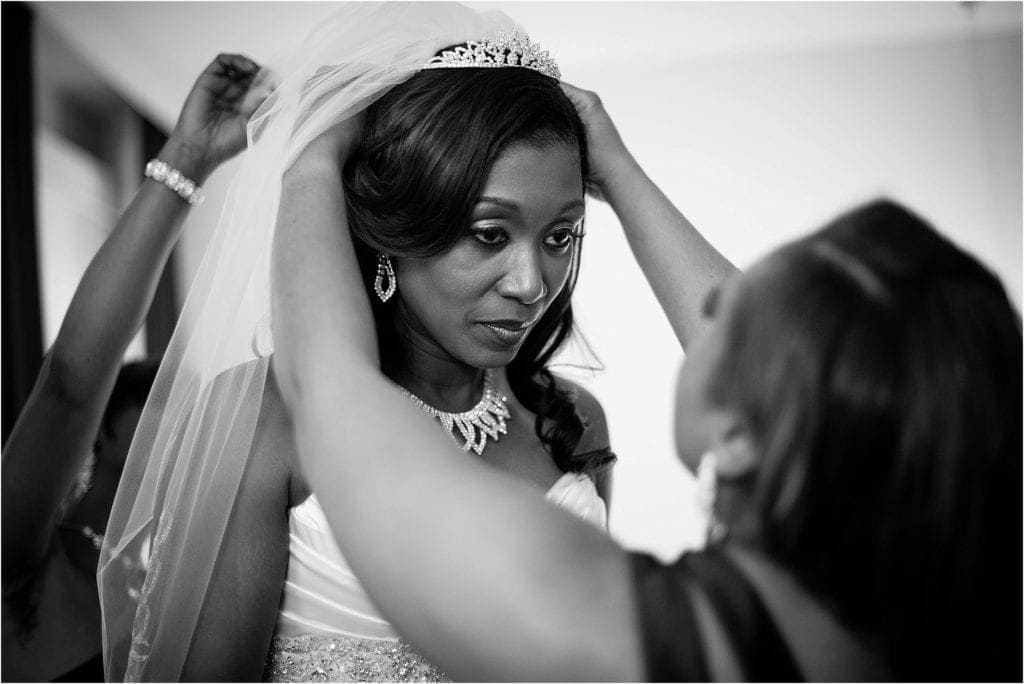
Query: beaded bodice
328,628
318,658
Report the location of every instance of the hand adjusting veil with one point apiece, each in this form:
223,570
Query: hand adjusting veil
186,462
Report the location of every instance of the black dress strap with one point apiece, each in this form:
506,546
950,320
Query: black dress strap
672,647
763,653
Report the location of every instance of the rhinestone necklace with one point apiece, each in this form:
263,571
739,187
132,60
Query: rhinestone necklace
486,419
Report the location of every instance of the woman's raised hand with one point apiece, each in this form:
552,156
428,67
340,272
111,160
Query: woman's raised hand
681,266
328,152
211,126
606,151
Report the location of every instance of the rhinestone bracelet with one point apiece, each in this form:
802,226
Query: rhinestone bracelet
162,172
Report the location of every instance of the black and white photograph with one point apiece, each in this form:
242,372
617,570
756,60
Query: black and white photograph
382,341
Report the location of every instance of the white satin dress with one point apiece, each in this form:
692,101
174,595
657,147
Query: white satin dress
328,628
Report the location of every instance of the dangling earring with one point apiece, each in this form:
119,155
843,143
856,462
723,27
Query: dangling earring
707,492
384,270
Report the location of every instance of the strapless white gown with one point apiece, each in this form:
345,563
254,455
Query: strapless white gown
328,628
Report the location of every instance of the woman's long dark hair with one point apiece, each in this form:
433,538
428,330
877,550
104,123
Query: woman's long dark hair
411,187
878,368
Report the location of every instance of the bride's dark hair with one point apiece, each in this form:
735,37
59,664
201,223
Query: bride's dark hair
411,186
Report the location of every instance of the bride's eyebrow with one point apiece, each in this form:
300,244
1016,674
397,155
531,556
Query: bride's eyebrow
511,206
499,202
574,204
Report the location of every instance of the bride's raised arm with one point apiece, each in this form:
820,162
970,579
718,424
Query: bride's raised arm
518,609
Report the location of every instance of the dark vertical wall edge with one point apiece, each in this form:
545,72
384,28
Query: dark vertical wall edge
22,335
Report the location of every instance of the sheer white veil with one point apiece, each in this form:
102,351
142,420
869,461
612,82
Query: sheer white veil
183,472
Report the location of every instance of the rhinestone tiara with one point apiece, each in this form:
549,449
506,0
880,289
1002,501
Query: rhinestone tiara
506,49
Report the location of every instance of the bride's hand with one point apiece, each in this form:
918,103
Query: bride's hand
211,126
606,151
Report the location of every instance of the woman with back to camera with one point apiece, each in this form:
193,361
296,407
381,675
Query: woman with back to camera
467,202
851,405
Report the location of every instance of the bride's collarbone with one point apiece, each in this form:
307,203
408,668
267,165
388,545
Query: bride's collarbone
519,453
522,454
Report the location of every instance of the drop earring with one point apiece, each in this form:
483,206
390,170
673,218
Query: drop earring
707,493
385,271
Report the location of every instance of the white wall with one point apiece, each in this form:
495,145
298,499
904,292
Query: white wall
760,149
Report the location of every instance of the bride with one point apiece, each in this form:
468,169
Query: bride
466,205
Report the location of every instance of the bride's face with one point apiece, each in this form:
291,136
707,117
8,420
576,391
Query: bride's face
478,300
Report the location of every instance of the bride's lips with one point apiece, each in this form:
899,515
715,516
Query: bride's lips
508,332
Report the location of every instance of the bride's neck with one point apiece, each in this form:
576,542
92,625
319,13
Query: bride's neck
423,367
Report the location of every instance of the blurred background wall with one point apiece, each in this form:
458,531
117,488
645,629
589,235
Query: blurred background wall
760,120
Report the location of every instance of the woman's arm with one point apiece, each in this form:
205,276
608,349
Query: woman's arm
237,620
58,424
470,564
679,263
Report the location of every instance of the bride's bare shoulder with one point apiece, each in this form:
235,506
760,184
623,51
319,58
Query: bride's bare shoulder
590,411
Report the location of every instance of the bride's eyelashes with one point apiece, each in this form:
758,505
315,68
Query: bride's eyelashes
557,240
490,236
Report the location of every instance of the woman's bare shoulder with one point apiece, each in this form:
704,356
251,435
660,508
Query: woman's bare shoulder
595,432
